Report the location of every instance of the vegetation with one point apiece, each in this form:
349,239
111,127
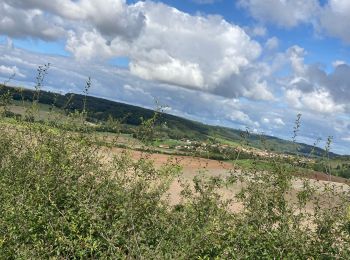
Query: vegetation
339,167
62,196
170,127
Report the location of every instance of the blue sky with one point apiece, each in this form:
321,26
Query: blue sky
254,63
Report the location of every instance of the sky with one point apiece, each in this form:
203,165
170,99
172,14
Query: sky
243,63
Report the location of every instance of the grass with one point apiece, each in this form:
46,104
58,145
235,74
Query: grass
227,141
260,165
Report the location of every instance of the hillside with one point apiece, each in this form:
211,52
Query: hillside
100,109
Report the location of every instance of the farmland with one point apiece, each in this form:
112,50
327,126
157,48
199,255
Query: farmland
104,188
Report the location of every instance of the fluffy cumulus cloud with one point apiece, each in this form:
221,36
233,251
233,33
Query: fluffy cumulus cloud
252,82
310,87
174,47
322,96
17,22
318,100
110,17
163,44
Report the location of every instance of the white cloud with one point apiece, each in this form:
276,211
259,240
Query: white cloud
331,19
334,19
162,43
272,43
16,22
296,57
310,87
174,71
259,31
176,48
338,63
346,139
256,31
88,45
259,92
284,13
243,118
279,122
9,71
273,122
319,101
265,120
191,51
110,17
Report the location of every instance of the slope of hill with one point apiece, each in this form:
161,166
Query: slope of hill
100,109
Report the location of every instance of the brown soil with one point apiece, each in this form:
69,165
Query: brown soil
194,166
320,176
188,163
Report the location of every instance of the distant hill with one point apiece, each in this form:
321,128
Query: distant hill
100,109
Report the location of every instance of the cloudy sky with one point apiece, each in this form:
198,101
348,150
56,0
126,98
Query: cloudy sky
243,63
